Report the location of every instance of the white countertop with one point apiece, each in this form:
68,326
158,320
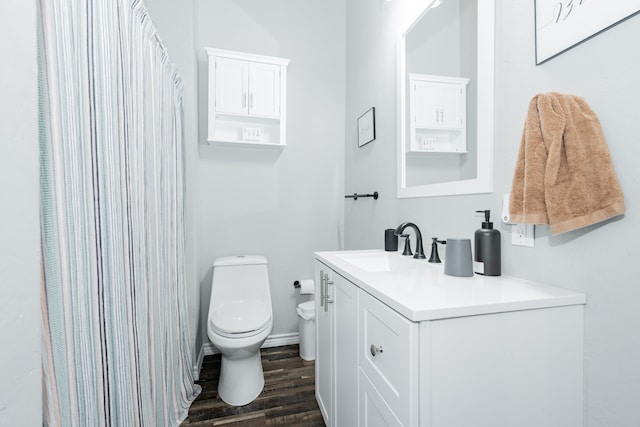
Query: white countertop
420,290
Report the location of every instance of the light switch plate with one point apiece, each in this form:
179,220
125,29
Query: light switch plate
523,235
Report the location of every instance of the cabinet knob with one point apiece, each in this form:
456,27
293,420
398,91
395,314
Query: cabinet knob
375,350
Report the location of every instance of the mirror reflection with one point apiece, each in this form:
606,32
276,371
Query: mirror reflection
441,148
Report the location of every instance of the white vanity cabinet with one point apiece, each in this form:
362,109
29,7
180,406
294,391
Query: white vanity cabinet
366,357
437,106
441,351
336,347
247,98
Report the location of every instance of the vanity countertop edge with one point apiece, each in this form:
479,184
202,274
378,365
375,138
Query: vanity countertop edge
422,291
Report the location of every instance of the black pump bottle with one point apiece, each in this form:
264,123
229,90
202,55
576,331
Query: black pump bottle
487,256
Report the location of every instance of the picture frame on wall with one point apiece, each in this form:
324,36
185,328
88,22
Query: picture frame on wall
561,25
367,127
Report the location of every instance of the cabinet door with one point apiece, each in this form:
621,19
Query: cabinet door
424,104
324,346
231,86
345,297
374,411
449,100
264,90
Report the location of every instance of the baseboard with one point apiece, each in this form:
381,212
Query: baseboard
198,364
209,349
281,339
278,340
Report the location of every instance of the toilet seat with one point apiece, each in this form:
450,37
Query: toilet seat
240,318
245,334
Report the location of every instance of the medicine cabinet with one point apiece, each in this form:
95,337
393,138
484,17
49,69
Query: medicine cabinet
247,99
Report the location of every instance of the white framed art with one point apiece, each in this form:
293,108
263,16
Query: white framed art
560,25
367,127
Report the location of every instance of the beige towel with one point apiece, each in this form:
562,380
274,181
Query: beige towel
564,176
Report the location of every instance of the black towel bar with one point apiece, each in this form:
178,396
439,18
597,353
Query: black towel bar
355,196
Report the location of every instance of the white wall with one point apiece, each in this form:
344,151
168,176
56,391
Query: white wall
175,24
600,260
20,373
282,204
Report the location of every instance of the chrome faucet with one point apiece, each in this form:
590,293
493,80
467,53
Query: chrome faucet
419,250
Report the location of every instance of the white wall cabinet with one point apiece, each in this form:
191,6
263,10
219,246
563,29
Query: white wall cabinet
437,107
247,98
516,367
336,347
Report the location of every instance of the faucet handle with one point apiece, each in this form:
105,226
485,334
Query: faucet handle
407,245
435,258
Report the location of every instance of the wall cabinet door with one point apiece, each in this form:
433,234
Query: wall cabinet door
424,105
264,90
450,98
231,85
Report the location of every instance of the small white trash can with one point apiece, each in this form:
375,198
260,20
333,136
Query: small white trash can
307,329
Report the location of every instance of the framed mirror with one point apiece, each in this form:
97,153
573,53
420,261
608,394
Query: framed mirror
445,99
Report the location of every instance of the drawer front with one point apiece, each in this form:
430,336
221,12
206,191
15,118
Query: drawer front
374,411
388,356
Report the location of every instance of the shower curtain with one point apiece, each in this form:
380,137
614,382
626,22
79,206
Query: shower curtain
116,348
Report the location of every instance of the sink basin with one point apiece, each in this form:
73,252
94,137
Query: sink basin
374,262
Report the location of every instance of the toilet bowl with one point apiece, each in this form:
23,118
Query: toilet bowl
240,320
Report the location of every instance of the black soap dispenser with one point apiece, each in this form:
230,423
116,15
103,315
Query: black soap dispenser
486,256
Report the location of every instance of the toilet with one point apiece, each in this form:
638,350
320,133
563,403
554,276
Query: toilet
239,321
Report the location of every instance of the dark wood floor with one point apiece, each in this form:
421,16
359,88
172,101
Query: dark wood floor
288,397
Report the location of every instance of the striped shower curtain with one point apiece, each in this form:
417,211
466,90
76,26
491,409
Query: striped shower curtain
116,348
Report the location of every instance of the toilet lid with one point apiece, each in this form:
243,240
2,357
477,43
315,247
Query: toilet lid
240,316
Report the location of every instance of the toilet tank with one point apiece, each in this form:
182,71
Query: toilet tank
239,278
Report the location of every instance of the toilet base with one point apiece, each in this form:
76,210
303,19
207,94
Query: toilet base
241,380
